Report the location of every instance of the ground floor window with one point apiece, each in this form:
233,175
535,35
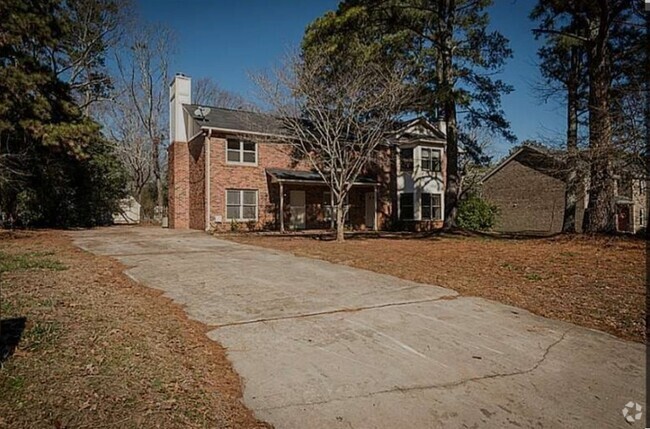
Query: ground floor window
328,211
406,206
641,217
431,205
241,204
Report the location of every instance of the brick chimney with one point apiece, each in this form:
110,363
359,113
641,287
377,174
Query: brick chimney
180,92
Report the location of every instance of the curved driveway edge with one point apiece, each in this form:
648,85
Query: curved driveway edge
321,345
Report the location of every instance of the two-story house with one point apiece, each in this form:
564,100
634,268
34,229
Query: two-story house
228,169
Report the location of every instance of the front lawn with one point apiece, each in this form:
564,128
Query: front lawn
97,350
596,282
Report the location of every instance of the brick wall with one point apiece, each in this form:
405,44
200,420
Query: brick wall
179,198
228,176
528,200
196,179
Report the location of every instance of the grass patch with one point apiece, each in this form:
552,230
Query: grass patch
41,335
533,277
29,261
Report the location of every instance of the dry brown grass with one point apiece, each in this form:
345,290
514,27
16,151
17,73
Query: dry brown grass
595,282
101,351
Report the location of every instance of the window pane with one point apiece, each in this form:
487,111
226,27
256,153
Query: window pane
233,198
406,206
425,204
249,212
436,202
249,146
406,199
250,198
233,156
233,144
327,197
435,161
406,160
426,154
249,157
232,212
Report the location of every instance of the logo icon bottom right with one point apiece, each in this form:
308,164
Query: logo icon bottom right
632,412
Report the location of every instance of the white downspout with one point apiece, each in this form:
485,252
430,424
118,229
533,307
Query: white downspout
207,177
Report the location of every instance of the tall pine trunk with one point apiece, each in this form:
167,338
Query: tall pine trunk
446,80
601,208
571,190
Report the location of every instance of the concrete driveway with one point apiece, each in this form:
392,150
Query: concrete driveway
320,345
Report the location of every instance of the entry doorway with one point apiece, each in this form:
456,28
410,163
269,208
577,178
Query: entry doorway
297,209
623,218
370,210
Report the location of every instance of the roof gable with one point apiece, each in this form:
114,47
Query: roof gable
535,158
419,128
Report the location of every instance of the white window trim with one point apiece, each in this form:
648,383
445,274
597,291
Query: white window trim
241,205
417,205
442,205
241,152
431,149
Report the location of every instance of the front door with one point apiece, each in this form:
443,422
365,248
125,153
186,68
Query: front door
623,218
370,210
297,205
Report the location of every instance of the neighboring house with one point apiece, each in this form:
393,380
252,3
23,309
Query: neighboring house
528,187
228,169
129,212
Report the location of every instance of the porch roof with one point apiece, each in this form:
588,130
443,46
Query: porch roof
279,175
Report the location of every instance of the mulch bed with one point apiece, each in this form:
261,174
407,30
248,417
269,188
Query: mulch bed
593,281
99,350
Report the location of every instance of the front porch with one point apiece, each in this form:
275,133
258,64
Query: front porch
304,202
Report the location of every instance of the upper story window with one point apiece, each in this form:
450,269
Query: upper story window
406,160
241,152
430,159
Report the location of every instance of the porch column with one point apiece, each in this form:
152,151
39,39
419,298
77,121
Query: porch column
281,208
376,227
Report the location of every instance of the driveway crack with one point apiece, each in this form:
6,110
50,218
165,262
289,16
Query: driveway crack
340,310
537,364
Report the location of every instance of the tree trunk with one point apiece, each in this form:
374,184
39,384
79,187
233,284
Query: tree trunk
571,190
601,208
445,62
340,222
157,171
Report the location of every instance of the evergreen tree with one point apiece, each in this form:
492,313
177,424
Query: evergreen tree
611,34
448,49
43,134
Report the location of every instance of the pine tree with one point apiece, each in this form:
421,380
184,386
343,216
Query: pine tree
449,50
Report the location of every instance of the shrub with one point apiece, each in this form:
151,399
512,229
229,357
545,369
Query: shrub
476,214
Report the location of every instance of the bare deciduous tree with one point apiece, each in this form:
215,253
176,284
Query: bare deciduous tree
207,92
335,124
95,27
143,67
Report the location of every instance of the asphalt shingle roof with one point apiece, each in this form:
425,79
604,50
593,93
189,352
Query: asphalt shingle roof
235,120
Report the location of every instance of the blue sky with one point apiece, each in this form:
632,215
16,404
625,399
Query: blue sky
228,40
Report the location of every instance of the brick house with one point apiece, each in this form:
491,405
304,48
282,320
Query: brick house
229,169
528,187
